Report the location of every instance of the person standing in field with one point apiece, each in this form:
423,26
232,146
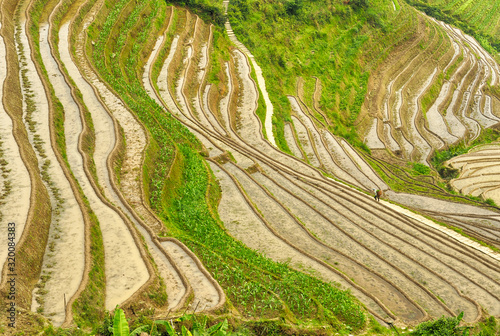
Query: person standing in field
378,193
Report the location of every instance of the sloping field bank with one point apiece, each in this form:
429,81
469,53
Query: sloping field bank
15,182
59,279
399,92
29,252
123,278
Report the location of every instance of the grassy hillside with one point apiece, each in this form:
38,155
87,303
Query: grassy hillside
480,19
338,42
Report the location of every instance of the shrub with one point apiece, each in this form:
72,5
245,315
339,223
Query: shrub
445,326
421,169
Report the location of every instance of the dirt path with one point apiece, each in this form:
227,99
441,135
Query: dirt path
147,68
15,183
64,260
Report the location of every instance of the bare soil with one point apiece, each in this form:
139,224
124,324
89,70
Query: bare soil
14,170
64,260
125,270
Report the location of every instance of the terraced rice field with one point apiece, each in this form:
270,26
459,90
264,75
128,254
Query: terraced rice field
478,172
112,125
482,15
277,196
442,105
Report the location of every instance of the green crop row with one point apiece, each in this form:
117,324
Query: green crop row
124,30
165,129
89,306
232,263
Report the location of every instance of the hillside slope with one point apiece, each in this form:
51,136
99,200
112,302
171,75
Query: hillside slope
182,164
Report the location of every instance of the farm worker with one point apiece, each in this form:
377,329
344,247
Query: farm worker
378,193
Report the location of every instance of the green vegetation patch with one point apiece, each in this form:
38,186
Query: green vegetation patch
445,326
257,286
327,39
208,10
460,17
